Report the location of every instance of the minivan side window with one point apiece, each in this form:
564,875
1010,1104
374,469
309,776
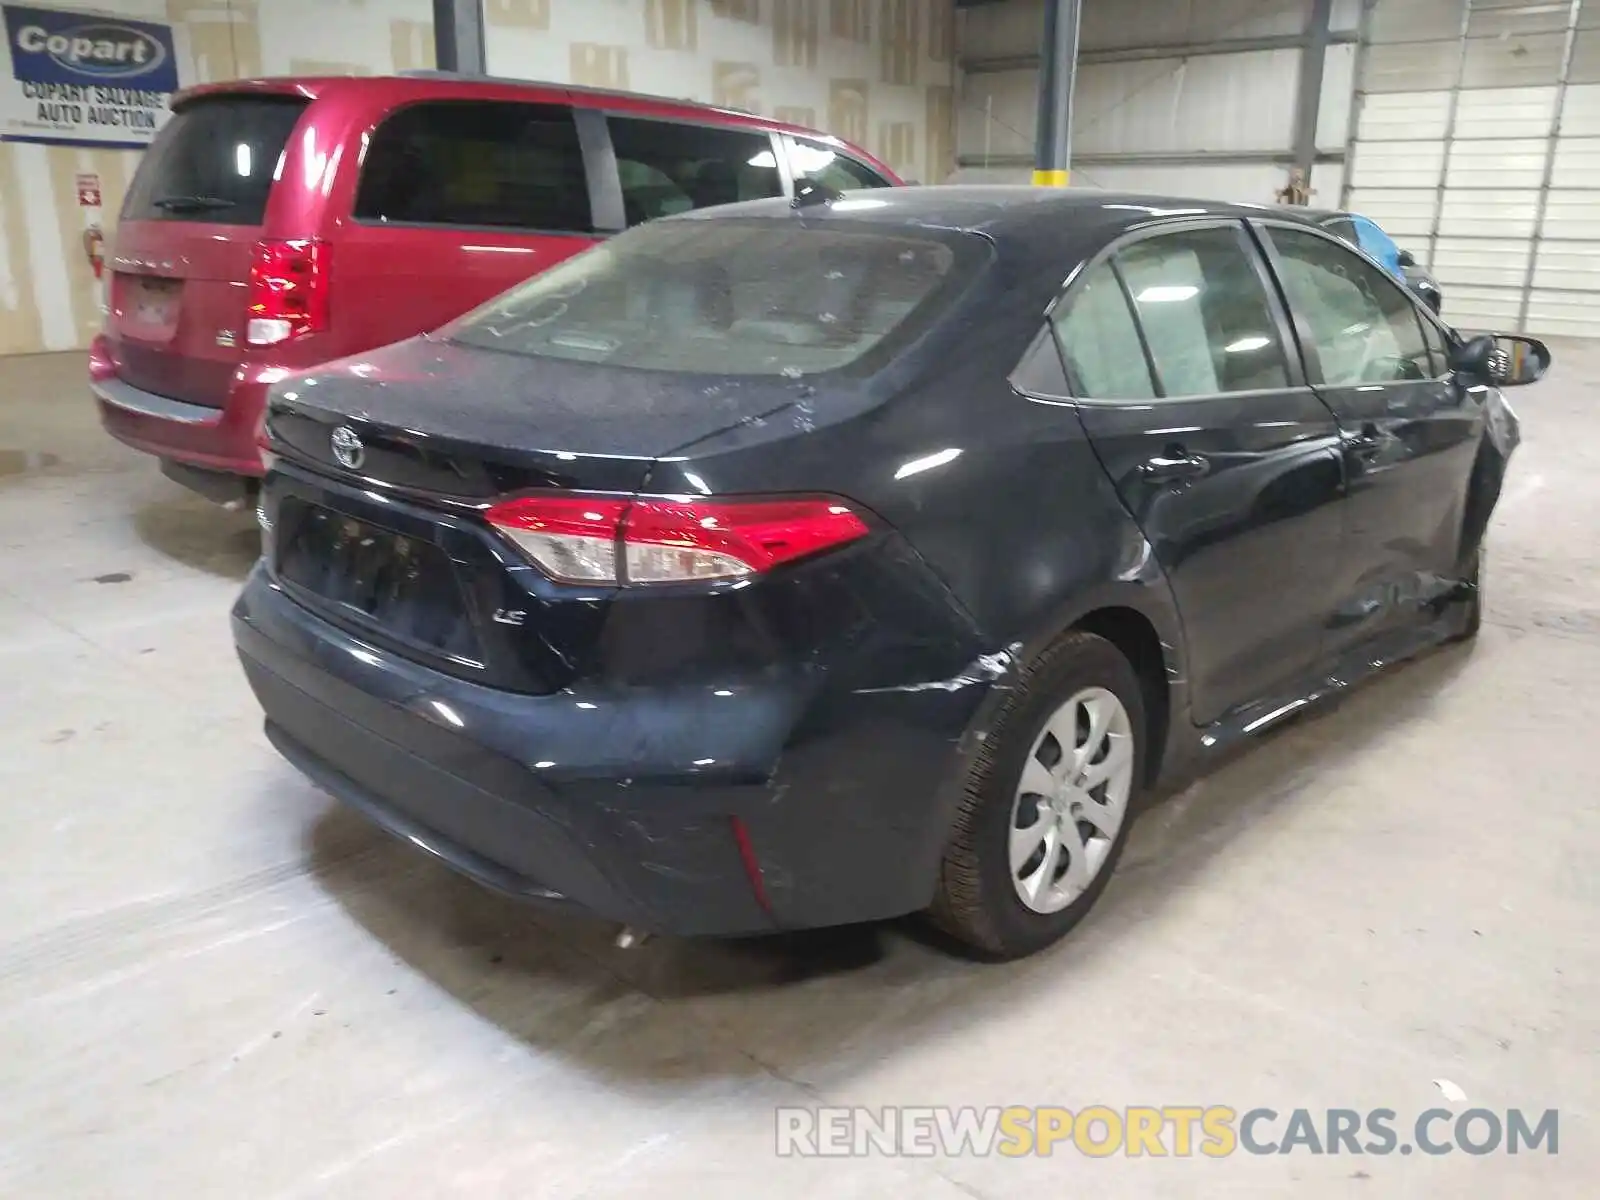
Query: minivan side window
490,164
1204,312
1364,327
667,167
817,163
1100,343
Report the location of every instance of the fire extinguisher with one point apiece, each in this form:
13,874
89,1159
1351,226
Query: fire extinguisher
94,248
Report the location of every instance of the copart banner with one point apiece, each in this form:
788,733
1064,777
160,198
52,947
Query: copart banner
70,77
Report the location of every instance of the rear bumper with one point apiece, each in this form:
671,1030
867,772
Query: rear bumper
623,802
213,439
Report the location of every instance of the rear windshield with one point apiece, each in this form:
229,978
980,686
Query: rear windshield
731,297
214,161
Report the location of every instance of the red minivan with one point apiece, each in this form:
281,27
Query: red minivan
275,224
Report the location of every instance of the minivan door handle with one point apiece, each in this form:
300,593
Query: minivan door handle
1174,464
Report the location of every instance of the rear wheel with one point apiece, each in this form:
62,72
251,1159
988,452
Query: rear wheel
1048,803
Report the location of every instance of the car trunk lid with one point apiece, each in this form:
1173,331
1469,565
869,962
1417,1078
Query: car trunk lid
453,421
387,462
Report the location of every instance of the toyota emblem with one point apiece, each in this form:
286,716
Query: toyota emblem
347,448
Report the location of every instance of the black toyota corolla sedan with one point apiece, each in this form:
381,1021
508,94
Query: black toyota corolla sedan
791,564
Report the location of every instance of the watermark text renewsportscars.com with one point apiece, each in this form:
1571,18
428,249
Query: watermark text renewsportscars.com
1168,1131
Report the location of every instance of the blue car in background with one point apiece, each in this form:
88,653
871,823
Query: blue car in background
1365,233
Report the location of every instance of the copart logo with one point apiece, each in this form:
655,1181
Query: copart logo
102,50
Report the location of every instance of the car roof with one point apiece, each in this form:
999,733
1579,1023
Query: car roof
420,85
998,211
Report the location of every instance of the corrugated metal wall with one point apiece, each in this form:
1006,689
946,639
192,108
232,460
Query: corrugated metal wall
1165,99
1477,145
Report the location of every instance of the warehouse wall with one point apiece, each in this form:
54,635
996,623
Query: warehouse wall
1134,116
1478,147
878,72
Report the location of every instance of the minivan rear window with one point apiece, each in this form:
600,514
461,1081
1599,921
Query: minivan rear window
731,297
214,161
477,163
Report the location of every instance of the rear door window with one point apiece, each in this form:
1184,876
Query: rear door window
214,161
1100,343
1204,313
821,164
666,167
474,163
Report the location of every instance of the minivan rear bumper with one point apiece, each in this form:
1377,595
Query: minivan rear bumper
577,799
214,439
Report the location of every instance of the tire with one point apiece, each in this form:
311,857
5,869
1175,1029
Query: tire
980,898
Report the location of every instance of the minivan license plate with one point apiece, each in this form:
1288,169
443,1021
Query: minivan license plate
155,301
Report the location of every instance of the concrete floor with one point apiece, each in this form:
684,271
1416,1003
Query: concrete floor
213,983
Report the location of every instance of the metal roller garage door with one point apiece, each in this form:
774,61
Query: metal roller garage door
1477,145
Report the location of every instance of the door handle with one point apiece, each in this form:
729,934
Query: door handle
1174,465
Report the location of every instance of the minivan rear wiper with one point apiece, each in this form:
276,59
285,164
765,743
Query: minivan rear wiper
191,203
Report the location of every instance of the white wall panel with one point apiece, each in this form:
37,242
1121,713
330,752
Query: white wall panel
1572,216
1333,110
1397,164
993,175
1113,24
1482,308
1404,117
1569,266
1327,184
1563,313
1580,114
1415,20
1403,212
1247,184
1481,263
1577,163
1486,82
1211,102
1014,27
1416,67
1488,214
1001,30
1496,164
998,113
1226,102
1507,113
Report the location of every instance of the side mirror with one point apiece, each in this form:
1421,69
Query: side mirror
1503,359
1407,259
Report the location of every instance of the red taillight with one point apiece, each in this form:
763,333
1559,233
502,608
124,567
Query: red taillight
288,292
656,540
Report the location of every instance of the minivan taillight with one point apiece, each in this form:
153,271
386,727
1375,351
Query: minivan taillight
574,539
288,295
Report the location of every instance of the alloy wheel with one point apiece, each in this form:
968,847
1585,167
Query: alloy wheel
1071,800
